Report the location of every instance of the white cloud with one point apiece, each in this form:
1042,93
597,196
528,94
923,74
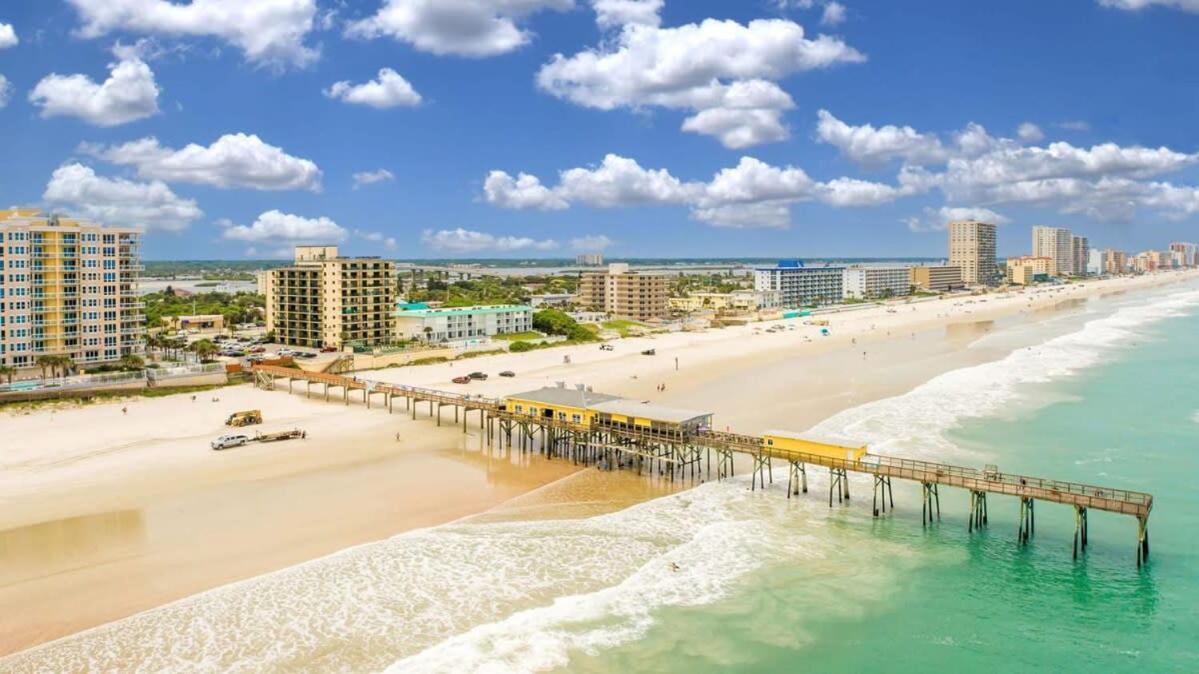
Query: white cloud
129,94
616,13
1030,133
473,28
938,219
390,90
872,146
5,91
388,242
116,201
833,14
1137,5
371,177
722,71
467,241
274,227
591,242
1075,125
524,191
8,36
234,160
620,181
269,32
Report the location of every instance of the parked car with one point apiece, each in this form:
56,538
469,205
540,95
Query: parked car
649,352
305,354
328,349
507,373
481,376
607,347
258,349
227,441
461,380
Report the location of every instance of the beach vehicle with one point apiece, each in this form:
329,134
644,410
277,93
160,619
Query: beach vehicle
481,376
507,373
649,352
461,380
227,441
244,418
607,347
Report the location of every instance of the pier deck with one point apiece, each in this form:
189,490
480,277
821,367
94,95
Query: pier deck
609,444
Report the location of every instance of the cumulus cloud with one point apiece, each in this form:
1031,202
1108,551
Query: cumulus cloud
723,72
619,181
461,241
388,242
472,28
363,178
591,242
1030,133
523,191
390,90
868,145
938,219
1191,6
234,160
833,14
269,32
616,13
274,226
8,36
129,94
115,201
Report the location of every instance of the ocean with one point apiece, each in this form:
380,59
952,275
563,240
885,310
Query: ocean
721,578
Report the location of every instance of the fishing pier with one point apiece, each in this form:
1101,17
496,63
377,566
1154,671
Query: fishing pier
610,432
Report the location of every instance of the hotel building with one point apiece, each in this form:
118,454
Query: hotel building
1029,269
1185,253
624,293
589,259
937,278
875,282
972,247
463,323
327,300
68,288
1056,244
1115,262
800,286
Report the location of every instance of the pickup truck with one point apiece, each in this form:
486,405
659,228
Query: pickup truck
227,441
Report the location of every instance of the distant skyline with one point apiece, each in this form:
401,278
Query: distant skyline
640,128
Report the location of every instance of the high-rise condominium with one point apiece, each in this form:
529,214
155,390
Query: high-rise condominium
972,248
1057,244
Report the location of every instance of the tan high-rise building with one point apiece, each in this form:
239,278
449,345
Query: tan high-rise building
624,293
327,300
1080,253
972,248
68,288
1057,244
1115,262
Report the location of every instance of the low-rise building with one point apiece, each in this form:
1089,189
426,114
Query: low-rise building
877,282
1029,269
737,300
937,278
463,323
551,300
198,323
799,285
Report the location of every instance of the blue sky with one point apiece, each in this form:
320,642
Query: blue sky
664,128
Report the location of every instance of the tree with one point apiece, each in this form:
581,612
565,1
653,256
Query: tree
7,371
428,330
204,349
557,322
132,361
45,361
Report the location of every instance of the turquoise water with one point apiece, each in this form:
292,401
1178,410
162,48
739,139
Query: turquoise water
943,599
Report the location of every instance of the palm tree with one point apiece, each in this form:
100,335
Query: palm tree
45,361
132,361
7,371
65,365
204,349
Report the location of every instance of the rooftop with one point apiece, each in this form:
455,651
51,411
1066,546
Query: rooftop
819,438
633,408
555,395
460,311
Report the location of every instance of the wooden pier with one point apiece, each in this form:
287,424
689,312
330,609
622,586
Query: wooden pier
677,454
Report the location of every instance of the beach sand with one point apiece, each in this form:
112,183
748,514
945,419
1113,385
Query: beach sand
104,513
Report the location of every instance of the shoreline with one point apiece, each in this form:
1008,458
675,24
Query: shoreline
177,489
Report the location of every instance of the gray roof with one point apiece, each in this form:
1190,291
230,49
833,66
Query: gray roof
633,408
552,395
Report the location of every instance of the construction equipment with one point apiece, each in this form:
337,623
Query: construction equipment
245,418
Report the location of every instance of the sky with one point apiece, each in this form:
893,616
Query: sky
640,128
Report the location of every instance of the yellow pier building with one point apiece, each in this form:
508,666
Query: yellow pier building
807,443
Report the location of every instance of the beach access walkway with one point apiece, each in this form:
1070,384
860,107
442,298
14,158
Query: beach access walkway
677,453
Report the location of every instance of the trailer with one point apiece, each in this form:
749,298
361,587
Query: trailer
280,436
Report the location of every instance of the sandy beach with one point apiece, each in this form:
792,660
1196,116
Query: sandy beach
105,513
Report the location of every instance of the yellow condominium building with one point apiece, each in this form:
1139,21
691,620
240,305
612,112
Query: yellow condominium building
1029,269
937,278
624,293
327,300
68,288
972,247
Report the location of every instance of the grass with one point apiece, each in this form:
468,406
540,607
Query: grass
622,326
110,396
519,336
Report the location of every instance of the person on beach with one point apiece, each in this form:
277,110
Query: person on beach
124,410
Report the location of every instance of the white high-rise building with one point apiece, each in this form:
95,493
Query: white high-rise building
801,286
1057,244
876,282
